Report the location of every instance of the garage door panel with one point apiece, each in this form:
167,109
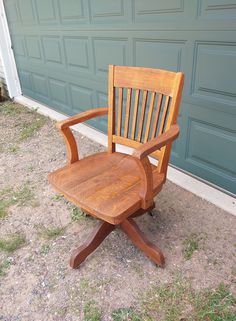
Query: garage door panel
77,54
157,53
72,11
217,9
209,145
214,73
105,11
108,51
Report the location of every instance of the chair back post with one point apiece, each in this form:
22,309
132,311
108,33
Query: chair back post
111,111
172,119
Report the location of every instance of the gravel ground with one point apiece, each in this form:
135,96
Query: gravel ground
36,282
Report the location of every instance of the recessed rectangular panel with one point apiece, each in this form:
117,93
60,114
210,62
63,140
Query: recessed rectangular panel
217,9
25,79
46,11
106,10
157,54
76,50
33,47
71,10
158,10
11,12
212,146
58,91
18,45
26,12
52,49
40,84
82,98
214,73
109,51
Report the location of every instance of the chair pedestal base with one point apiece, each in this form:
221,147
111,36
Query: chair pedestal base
130,228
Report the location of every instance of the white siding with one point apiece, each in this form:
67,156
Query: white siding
3,84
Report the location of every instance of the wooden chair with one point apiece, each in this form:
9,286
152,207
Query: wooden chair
114,187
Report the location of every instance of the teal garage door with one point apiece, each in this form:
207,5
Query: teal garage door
62,49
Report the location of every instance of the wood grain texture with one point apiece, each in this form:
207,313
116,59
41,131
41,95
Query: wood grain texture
127,112
120,104
115,187
157,115
139,239
110,190
134,122
94,240
142,116
149,118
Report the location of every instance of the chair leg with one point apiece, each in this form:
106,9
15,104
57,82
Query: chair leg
93,241
139,239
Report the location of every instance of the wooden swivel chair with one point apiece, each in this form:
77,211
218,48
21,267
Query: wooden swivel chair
114,187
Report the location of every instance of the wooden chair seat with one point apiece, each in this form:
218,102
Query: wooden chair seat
105,185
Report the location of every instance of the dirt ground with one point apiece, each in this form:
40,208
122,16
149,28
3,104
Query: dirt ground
36,282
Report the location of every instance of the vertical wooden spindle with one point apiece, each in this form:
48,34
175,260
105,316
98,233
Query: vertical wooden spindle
142,116
127,112
134,124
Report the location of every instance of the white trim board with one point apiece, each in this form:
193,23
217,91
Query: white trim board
7,56
189,183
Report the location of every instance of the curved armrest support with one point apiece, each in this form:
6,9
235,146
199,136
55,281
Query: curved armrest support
157,143
141,156
63,126
146,191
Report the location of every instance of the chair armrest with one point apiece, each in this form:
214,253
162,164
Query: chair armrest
70,121
63,126
141,156
156,143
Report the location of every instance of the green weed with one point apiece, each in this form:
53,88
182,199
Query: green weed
77,214
28,129
45,249
179,301
92,312
12,243
4,266
190,245
50,232
125,314
9,108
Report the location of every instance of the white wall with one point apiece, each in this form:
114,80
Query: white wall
3,83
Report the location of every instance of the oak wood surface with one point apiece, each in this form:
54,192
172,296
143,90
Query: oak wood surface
115,187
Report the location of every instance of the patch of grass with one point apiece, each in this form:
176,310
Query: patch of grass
190,245
179,301
3,209
84,284
10,108
14,149
57,197
168,301
12,243
23,195
45,249
28,129
77,214
92,312
126,314
4,266
215,305
50,232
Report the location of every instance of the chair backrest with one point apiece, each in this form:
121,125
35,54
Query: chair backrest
143,104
